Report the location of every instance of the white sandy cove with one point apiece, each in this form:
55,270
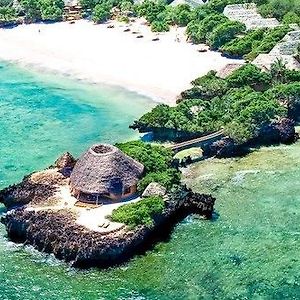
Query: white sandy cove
160,69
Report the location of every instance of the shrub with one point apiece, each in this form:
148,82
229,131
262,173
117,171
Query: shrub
224,33
154,158
157,161
101,13
243,45
139,213
159,26
249,75
7,13
166,178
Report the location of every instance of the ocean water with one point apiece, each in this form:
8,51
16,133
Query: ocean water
249,251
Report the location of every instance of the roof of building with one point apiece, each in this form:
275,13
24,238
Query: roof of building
265,61
104,168
285,50
193,3
71,2
247,14
228,70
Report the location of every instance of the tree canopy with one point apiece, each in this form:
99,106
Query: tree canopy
240,104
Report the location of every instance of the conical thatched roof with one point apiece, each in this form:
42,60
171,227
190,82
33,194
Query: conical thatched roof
65,161
105,169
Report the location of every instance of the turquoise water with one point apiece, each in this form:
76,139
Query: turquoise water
250,250
42,116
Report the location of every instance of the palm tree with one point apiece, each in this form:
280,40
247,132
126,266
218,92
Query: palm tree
278,71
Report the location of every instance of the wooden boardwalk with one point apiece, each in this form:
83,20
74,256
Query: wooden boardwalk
193,142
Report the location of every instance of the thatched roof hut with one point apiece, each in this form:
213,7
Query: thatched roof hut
105,170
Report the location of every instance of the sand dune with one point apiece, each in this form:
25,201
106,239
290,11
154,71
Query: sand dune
160,69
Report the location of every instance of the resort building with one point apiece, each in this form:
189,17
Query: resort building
247,14
104,172
286,51
72,10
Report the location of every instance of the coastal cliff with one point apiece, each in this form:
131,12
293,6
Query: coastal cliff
56,231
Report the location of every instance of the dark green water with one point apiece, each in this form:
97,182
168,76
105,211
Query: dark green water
251,251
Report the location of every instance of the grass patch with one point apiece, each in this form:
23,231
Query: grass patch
139,213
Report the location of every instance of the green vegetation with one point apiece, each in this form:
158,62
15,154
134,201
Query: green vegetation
139,213
7,13
241,104
157,161
255,42
101,13
281,9
46,10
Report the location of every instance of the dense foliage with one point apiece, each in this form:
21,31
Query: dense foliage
286,10
254,42
47,10
101,12
139,213
157,161
240,104
32,10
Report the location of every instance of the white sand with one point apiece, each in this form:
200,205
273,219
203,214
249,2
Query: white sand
94,219
160,69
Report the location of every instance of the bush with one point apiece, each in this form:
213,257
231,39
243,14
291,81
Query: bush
157,161
7,13
198,31
224,33
154,158
159,26
279,8
249,75
51,10
291,18
101,13
139,213
243,45
166,178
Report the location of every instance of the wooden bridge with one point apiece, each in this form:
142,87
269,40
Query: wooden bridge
210,138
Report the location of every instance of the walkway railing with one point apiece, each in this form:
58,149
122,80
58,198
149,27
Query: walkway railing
197,140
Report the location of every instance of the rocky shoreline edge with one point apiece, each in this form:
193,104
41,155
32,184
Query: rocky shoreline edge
55,231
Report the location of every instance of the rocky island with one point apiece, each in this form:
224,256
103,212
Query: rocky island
96,211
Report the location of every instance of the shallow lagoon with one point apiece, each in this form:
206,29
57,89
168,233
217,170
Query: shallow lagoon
250,250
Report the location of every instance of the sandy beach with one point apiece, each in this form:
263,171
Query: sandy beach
159,69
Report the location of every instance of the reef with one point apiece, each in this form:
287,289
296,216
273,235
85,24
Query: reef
55,231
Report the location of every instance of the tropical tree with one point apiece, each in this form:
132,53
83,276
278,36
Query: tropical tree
101,13
279,71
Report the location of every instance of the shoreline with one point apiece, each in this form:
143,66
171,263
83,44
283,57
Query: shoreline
100,55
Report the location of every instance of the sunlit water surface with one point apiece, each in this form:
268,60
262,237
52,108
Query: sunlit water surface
250,251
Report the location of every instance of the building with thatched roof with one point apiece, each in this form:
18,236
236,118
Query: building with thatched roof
228,70
285,50
247,14
104,171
